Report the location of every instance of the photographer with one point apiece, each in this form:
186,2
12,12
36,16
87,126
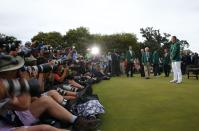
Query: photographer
60,77
44,79
60,74
44,74
28,110
9,102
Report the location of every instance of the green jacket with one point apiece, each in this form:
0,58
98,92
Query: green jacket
122,57
175,52
155,57
166,59
129,57
146,57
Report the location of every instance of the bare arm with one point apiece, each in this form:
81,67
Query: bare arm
41,82
61,79
21,102
3,92
39,128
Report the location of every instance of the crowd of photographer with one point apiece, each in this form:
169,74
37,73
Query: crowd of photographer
42,88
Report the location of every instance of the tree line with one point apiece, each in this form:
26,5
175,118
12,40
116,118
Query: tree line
81,38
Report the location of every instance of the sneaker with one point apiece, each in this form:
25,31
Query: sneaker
173,81
83,124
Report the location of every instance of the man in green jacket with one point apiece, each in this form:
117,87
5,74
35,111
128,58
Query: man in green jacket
130,56
146,61
176,60
141,65
156,62
166,63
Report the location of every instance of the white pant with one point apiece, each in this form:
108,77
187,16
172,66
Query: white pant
176,68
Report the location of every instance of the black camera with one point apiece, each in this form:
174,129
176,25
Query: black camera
45,68
15,87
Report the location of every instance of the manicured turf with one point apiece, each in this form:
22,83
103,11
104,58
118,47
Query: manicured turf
136,104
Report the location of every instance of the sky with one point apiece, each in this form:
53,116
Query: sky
25,18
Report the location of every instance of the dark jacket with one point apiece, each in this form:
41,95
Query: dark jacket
146,57
166,59
130,56
155,57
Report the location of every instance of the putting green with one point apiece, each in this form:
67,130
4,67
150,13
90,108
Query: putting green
136,104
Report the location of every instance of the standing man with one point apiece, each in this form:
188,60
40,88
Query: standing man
115,63
166,62
176,60
130,56
186,60
141,65
156,61
109,62
195,59
118,71
146,61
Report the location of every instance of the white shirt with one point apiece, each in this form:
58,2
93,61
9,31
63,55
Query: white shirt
130,52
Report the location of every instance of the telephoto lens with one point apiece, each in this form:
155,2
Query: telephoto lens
69,88
55,68
44,68
61,92
26,68
36,69
16,87
59,62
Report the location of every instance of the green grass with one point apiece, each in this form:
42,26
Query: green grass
136,104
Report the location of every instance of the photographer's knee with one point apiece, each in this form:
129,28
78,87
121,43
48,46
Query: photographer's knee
45,100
